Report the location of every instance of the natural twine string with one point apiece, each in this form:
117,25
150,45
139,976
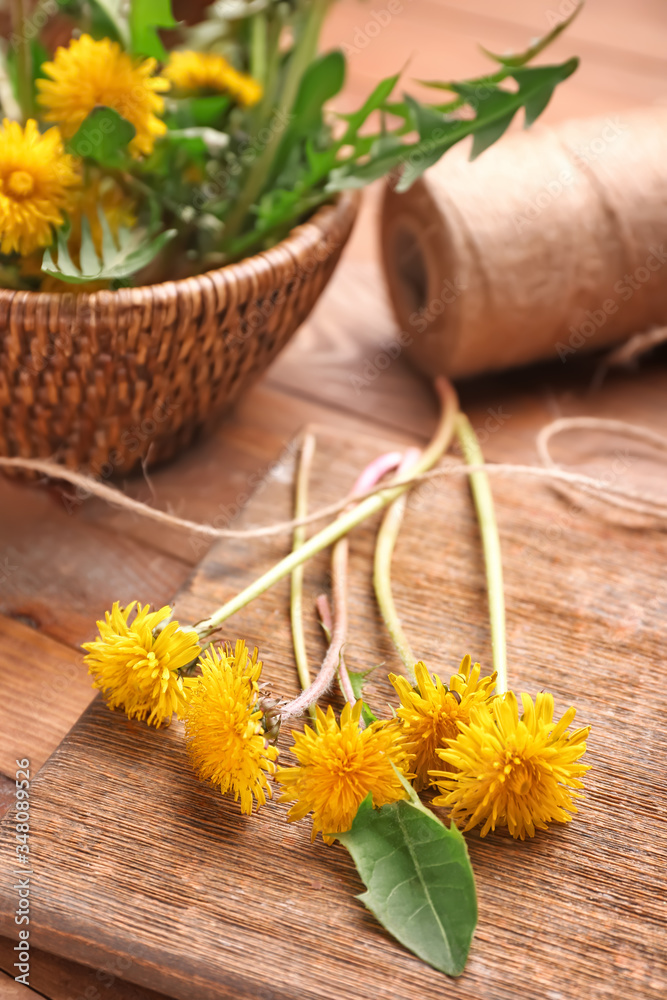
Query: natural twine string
610,493
582,205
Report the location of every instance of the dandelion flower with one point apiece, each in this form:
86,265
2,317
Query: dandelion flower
431,711
136,664
513,771
89,73
339,765
36,180
223,725
194,72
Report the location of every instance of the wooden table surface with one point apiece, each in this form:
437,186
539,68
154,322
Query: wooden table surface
62,563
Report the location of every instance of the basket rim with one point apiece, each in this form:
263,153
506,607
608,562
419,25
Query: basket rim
300,240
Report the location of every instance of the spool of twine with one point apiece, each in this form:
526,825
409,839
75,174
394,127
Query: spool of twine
552,242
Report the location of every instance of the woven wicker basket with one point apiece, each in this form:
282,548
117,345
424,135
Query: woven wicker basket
99,381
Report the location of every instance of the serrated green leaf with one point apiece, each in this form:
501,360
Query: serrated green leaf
542,81
129,252
495,109
377,99
103,137
146,16
317,167
419,881
424,118
537,46
486,137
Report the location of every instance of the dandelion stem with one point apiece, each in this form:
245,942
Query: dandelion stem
348,520
299,537
332,659
486,516
258,46
300,58
371,475
23,58
336,623
384,549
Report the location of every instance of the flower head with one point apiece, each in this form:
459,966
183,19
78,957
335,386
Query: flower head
89,73
511,770
223,725
136,664
339,765
36,180
194,72
431,711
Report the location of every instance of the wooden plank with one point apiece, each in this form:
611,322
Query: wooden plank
585,618
10,989
65,581
57,573
61,980
7,791
44,687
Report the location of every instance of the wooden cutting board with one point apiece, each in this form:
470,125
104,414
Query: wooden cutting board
139,866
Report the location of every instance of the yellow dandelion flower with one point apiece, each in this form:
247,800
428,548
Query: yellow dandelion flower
513,771
89,73
194,72
36,180
430,712
339,765
223,725
136,663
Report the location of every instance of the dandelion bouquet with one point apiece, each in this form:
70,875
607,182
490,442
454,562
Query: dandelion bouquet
491,758
141,149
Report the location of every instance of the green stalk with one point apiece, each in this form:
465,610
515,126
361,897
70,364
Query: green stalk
486,516
348,520
258,47
274,24
301,57
299,537
384,549
23,58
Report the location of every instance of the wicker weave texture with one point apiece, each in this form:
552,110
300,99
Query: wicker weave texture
101,381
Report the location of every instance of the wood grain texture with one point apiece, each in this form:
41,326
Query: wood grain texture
39,679
623,55
580,911
7,793
56,571
59,979
11,990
